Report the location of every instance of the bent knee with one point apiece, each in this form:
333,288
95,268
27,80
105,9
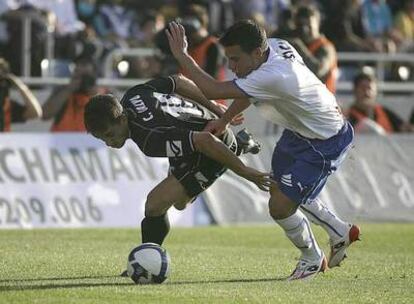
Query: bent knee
153,210
202,140
281,207
182,205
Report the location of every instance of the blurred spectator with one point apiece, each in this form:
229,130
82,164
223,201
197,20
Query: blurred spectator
202,46
38,34
66,104
220,13
150,24
88,42
395,5
404,26
366,115
87,11
117,24
49,19
378,25
5,6
268,10
286,27
10,110
317,51
63,21
65,18
343,26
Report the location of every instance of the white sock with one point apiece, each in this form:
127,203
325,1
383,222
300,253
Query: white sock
320,215
297,229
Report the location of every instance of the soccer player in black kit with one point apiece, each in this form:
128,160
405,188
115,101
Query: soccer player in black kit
164,124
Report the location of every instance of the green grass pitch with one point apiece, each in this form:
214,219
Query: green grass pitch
243,264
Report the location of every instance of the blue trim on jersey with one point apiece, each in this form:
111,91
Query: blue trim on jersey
234,81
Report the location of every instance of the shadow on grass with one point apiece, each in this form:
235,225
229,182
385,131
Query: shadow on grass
28,284
57,279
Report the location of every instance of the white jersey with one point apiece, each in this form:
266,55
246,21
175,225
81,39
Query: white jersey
287,93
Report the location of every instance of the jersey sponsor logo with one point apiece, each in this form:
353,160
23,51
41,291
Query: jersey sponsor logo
174,148
140,107
286,179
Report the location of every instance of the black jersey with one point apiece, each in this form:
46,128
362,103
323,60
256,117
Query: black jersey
160,122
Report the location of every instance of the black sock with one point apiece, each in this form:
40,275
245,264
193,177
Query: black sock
155,229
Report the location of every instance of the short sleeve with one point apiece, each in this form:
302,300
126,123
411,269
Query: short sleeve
258,84
164,85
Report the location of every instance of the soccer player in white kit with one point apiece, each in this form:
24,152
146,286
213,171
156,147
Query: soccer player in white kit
272,76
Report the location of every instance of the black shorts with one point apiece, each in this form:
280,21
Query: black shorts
197,172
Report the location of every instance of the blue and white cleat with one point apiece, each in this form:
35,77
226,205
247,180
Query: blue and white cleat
306,270
338,247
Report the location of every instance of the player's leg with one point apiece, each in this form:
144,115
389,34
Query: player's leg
155,226
296,179
198,172
321,215
285,212
341,233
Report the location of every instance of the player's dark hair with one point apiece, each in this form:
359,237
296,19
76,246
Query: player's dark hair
363,76
247,34
101,111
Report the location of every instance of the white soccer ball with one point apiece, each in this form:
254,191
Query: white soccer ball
148,263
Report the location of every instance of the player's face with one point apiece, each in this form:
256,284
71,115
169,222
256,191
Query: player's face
115,135
240,62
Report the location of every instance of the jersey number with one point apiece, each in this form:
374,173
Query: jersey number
287,52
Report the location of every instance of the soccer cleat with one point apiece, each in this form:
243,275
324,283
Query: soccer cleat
246,143
306,270
124,274
338,248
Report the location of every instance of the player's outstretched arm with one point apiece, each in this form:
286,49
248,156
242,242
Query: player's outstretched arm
211,146
211,88
217,127
187,88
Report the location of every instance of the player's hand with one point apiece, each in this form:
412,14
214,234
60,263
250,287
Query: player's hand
177,39
262,180
216,127
238,120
